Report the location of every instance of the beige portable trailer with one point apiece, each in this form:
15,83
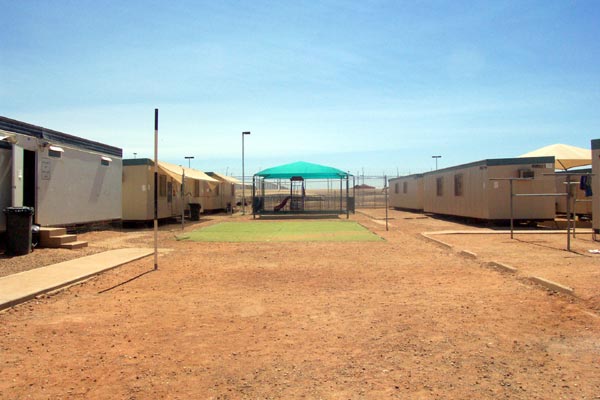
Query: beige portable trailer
199,187
225,190
406,192
469,191
596,187
68,180
138,192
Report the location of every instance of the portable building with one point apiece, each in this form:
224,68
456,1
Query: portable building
469,190
225,190
596,186
138,192
406,192
199,187
67,179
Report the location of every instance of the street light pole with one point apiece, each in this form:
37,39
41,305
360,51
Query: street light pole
189,158
436,161
243,177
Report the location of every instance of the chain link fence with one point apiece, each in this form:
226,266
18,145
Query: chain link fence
367,191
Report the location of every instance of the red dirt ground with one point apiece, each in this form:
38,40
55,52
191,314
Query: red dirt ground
401,318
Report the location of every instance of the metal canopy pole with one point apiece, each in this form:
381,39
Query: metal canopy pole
253,196
354,192
341,191
262,193
347,196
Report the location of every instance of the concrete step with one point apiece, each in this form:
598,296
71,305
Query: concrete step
562,224
58,241
58,238
46,233
74,245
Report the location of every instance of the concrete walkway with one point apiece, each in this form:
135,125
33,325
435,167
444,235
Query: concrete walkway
487,231
18,288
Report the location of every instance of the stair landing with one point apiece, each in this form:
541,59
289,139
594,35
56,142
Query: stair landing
58,238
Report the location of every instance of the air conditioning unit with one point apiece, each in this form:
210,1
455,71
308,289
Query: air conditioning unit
526,173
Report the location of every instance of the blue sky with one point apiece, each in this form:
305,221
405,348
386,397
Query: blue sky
374,85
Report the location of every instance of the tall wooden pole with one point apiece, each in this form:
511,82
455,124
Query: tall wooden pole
155,188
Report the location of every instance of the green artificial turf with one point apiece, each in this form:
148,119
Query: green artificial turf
288,231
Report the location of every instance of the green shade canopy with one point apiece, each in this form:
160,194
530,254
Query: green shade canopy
304,169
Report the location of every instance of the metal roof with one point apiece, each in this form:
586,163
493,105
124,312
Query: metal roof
302,169
23,128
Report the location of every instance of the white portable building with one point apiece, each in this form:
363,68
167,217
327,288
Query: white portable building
68,180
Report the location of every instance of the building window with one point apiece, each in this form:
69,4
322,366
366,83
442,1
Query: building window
458,184
439,186
217,190
396,188
404,187
196,188
105,161
162,185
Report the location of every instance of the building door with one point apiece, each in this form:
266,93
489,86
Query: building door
29,172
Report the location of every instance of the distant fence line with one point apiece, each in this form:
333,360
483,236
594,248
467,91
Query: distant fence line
368,191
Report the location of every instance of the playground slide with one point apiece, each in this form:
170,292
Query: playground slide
282,204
